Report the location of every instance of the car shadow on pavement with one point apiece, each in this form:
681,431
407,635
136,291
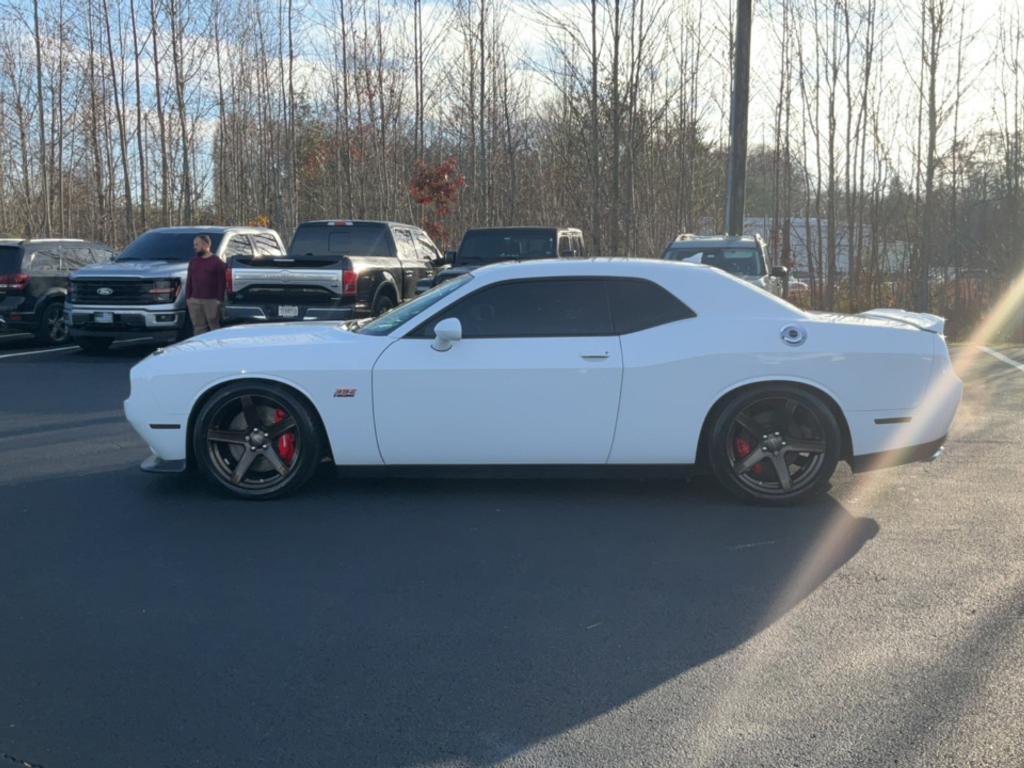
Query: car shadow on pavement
398,621
475,617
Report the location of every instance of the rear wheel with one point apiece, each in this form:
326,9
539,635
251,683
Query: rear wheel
51,328
775,445
256,440
94,345
382,304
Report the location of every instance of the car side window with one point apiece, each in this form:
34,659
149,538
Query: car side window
46,261
427,250
531,308
565,248
238,245
266,245
405,245
75,257
581,250
639,304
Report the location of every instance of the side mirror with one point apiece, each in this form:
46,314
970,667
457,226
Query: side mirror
780,272
449,257
446,333
568,253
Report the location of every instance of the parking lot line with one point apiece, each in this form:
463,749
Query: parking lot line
1008,360
38,351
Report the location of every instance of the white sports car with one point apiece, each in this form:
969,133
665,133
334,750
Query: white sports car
558,362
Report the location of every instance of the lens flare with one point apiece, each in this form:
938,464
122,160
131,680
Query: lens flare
837,537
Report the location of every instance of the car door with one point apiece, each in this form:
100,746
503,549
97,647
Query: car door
534,380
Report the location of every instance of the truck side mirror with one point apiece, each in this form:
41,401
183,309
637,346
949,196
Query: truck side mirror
780,272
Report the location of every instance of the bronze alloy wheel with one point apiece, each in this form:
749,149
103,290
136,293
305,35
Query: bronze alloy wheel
775,445
256,440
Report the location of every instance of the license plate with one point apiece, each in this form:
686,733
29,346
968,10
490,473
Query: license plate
287,311
104,317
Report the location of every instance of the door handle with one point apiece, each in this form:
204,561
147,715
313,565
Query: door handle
601,356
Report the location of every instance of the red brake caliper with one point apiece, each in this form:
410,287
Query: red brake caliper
286,442
743,449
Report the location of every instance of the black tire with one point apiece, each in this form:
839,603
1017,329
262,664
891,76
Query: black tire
186,330
382,303
236,440
51,328
756,439
94,345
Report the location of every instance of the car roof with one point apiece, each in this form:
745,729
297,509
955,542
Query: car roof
210,229
686,239
325,222
705,289
526,226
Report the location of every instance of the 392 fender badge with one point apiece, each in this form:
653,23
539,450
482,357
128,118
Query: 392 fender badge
345,392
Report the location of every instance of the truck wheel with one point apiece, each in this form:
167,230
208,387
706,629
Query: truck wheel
94,345
51,328
382,304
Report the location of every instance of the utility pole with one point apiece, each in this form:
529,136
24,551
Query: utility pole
737,179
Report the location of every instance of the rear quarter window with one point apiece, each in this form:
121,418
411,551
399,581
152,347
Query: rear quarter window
640,304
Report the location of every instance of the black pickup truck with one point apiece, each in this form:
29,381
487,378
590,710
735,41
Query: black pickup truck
490,245
333,270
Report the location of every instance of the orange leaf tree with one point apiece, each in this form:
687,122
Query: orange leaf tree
436,189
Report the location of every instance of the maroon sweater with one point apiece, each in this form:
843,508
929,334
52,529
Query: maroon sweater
205,278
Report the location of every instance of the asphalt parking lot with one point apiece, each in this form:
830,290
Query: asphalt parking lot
440,621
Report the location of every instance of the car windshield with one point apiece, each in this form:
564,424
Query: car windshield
166,246
10,259
386,323
745,262
489,246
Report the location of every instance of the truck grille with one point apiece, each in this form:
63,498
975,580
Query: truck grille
113,291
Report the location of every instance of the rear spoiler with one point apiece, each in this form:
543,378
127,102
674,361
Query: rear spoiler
922,320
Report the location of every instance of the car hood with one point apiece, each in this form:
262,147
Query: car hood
289,335
145,269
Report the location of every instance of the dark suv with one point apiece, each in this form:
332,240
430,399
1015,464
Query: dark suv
34,283
490,245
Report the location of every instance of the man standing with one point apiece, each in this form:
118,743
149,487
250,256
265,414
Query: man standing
204,287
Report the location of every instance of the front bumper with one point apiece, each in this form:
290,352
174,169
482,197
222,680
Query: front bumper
256,313
159,321
158,466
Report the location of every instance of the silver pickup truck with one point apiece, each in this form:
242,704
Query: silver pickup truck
141,294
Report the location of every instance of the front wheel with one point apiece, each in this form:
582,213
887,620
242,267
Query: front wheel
775,445
256,440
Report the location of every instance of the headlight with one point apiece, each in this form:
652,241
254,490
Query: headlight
165,291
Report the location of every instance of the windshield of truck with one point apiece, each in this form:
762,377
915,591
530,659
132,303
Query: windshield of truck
386,323
744,262
166,246
341,239
487,246
10,259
